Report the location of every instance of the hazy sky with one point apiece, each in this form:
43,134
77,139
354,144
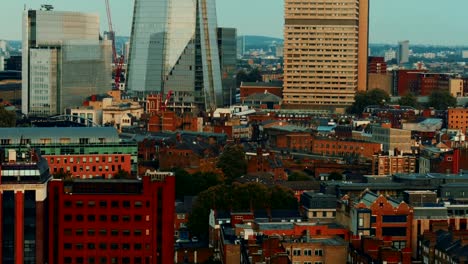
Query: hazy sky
420,21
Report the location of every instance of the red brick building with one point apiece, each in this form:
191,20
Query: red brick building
377,65
170,121
249,88
336,147
378,216
458,119
407,81
89,166
265,162
112,221
289,137
367,250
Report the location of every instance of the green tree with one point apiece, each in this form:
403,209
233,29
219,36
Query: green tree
298,176
122,174
441,100
409,100
7,118
232,162
183,183
216,197
187,184
363,99
282,198
238,196
63,175
335,176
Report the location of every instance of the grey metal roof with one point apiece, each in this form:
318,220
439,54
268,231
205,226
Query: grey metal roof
264,97
35,134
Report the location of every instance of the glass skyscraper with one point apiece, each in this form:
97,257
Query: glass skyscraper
63,61
173,46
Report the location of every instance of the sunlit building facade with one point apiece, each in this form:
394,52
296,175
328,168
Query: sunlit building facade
63,61
173,47
325,53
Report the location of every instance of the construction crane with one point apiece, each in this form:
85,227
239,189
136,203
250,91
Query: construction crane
118,62
168,97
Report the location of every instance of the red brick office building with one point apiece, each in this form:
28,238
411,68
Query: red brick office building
112,221
91,165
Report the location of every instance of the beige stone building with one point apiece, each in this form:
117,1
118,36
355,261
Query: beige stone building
325,53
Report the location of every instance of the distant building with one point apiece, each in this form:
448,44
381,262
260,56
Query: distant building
14,63
403,52
77,142
389,165
378,216
319,207
376,65
174,46
325,53
393,140
227,42
458,119
250,88
63,61
390,55
442,245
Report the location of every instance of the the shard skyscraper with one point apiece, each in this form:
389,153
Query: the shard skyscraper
174,47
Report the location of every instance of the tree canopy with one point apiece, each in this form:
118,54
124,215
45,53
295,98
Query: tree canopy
7,118
248,196
409,100
298,176
232,162
192,184
364,99
252,76
441,100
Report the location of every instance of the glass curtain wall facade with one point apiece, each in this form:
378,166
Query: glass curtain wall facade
227,44
325,53
63,61
173,47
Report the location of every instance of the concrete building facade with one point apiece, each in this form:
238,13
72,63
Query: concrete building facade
325,52
63,60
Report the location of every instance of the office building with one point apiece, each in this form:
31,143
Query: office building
390,55
112,221
325,53
403,52
227,44
240,46
63,61
72,144
23,193
173,47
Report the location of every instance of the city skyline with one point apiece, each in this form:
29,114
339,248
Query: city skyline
389,22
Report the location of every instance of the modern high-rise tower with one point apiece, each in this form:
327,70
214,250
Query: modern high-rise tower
325,53
63,60
403,52
173,46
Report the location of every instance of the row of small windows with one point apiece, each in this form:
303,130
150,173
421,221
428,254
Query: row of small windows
103,204
306,252
113,246
103,218
104,232
53,160
106,260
